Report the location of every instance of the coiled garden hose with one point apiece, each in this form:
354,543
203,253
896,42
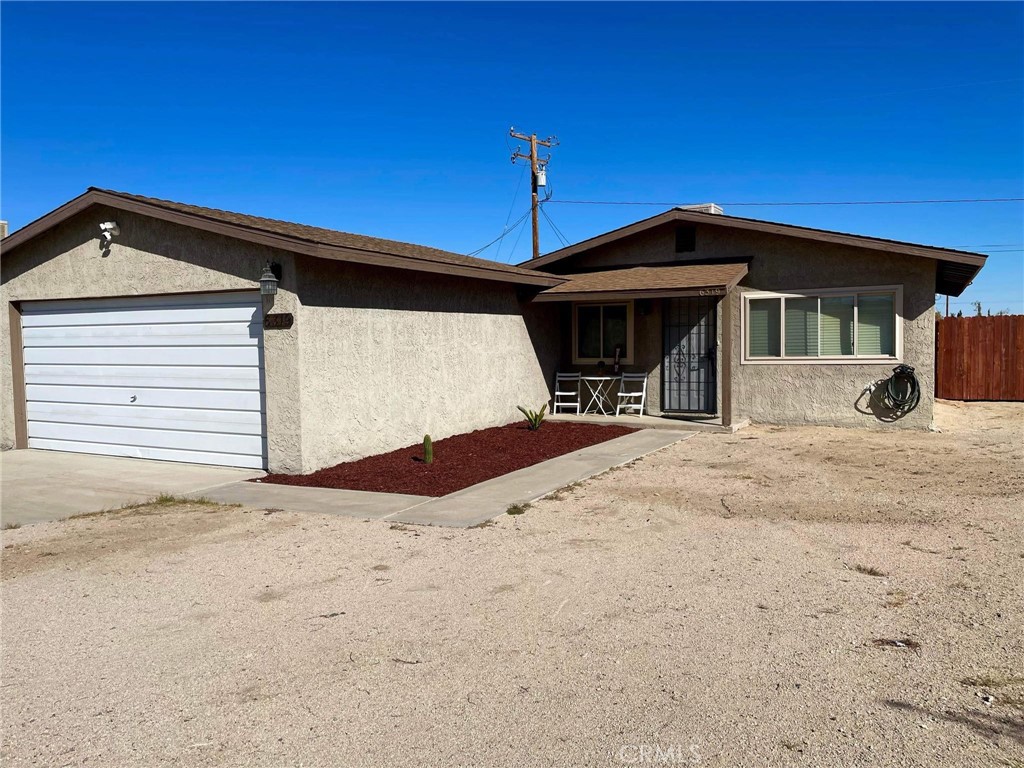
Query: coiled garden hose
902,391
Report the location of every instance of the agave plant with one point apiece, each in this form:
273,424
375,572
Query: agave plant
533,418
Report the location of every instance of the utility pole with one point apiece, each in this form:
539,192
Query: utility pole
537,167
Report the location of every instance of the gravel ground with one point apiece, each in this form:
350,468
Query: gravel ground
712,604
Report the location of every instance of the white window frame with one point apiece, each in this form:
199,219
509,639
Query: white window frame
630,341
895,290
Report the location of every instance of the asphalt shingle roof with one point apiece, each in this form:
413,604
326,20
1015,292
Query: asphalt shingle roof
678,277
331,237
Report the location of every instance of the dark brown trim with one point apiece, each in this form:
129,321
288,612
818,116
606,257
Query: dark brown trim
282,242
18,376
44,223
789,230
725,318
667,293
255,289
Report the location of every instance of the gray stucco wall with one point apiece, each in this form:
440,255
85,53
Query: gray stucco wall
790,393
390,355
834,393
375,358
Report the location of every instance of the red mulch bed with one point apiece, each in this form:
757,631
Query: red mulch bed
459,461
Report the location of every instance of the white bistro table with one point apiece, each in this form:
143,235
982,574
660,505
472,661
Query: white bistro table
599,390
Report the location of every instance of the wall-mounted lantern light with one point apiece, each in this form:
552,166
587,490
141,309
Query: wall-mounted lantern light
268,281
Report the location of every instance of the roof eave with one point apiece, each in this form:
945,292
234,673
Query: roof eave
95,196
562,292
790,230
624,295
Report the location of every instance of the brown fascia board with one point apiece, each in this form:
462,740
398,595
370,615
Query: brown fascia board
658,293
295,245
789,230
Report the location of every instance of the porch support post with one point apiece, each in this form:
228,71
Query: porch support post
727,329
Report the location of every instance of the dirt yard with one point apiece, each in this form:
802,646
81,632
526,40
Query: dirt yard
778,597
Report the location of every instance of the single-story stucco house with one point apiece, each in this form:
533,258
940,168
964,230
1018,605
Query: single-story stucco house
137,327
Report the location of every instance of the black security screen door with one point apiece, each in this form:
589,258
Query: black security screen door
689,345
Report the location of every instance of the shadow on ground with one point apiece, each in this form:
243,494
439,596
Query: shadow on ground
989,725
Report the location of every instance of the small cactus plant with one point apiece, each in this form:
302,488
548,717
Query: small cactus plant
428,450
533,418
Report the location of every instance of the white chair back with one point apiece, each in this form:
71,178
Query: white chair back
632,396
567,393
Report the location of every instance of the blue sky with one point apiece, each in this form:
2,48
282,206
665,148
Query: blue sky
392,120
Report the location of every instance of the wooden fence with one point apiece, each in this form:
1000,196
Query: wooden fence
980,358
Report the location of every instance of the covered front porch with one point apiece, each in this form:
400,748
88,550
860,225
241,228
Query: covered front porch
666,323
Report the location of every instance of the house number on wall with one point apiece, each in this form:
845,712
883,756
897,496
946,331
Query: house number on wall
278,320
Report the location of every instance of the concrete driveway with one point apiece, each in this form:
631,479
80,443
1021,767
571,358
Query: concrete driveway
37,486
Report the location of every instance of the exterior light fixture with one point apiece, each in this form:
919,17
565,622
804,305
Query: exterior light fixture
268,281
108,231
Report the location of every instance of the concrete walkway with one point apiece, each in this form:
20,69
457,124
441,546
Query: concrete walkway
654,422
39,486
328,501
461,509
491,498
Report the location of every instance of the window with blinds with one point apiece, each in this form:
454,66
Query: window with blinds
764,333
802,327
837,325
876,325
827,326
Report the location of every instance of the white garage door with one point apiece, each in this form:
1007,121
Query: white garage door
178,378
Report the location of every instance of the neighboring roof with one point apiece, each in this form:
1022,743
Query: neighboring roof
299,238
956,268
647,282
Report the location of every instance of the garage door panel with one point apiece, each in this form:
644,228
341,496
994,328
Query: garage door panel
176,377
221,399
192,356
143,316
160,454
217,442
185,419
179,377
169,334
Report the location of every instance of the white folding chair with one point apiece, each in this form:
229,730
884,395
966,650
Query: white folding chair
565,396
629,397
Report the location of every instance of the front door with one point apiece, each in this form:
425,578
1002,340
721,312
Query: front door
689,355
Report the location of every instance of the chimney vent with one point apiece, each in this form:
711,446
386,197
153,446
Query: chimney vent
702,208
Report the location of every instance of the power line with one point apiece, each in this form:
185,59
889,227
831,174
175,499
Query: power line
504,232
988,245
557,229
518,237
991,301
798,203
513,205
551,226
554,227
